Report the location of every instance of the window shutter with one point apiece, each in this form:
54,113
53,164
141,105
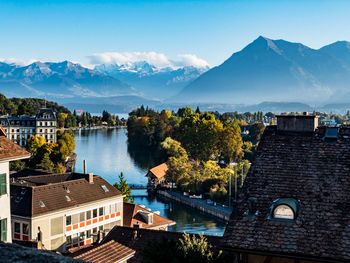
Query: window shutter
3,230
3,187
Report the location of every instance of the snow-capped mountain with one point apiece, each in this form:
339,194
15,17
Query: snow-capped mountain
58,80
276,70
152,81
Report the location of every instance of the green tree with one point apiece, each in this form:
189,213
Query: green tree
46,163
199,134
231,142
34,143
124,188
197,249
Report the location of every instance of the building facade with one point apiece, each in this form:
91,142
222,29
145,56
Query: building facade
20,128
8,152
294,205
64,211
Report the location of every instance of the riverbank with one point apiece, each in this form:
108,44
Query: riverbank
93,128
223,213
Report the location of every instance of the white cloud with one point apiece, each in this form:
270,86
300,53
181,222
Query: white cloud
19,62
192,60
159,60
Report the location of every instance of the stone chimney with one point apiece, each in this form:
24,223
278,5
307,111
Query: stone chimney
90,178
297,122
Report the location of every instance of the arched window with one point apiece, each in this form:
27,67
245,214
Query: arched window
284,209
283,212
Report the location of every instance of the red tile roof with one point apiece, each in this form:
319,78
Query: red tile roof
110,252
159,171
131,216
10,150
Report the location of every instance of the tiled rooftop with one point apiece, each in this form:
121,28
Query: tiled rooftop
312,169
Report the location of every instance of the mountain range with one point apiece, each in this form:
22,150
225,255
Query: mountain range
266,70
276,70
159,83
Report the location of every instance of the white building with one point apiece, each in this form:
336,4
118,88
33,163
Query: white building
8,152
20,128
61,211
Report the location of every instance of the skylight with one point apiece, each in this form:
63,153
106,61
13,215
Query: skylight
105,188
41,204
68,198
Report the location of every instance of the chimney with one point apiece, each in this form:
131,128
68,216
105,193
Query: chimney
85,167
90,178
297,122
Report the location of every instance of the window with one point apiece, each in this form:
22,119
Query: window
105,188
17,228
94,230
3,184
68,220
75,219
3,230
88,215
101,211
284,209
69,240
112,208
283,212
88,233
25,229
82,236
82,216
94,213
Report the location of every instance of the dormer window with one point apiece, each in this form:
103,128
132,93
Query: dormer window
284,209
283,212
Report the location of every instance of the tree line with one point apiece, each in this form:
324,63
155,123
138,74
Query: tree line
201,146
65,118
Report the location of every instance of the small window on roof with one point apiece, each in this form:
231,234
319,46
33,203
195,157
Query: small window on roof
284,209
68,198
105,188
283,212
42,204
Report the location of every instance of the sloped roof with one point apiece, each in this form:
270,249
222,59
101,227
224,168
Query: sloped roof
110,252
306,167
132,216
35,195
138,239
10,150
159,171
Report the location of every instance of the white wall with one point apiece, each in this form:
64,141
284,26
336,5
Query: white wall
44,221
5,210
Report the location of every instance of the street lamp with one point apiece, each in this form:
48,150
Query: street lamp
232,166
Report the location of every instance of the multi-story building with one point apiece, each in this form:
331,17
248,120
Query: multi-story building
8,152
20,128
61,211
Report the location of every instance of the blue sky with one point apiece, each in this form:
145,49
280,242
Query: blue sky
211,30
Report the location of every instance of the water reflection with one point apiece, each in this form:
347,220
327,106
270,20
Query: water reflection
187,219
107,154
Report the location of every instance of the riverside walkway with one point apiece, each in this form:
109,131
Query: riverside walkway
210,208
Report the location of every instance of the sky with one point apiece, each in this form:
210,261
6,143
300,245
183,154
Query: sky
168,32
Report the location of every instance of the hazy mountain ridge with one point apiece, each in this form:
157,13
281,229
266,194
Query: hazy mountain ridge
276,70
58,80
151,81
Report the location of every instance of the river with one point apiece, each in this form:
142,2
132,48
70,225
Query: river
107,154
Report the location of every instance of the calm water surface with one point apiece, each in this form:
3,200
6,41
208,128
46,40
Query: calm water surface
107,154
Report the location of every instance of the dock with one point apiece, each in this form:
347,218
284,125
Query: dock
217,210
